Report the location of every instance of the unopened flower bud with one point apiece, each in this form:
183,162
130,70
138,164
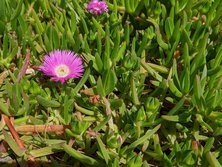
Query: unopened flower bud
152,104
141,115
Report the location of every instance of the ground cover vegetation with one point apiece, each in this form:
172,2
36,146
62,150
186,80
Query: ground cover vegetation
126,83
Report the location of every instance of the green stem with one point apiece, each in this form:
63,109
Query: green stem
83,80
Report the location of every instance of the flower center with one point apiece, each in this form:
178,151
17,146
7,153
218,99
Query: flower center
97,8
62,70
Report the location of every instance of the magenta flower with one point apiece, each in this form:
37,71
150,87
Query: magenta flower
97,7
62,65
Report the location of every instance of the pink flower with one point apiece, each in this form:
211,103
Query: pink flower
62,65
97,7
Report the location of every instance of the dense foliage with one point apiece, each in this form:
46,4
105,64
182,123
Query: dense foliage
150,94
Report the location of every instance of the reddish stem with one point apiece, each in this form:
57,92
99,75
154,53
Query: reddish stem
17,138
24,66
42,128
13,131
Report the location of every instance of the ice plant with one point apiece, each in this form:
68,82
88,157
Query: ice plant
97,7
62,65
